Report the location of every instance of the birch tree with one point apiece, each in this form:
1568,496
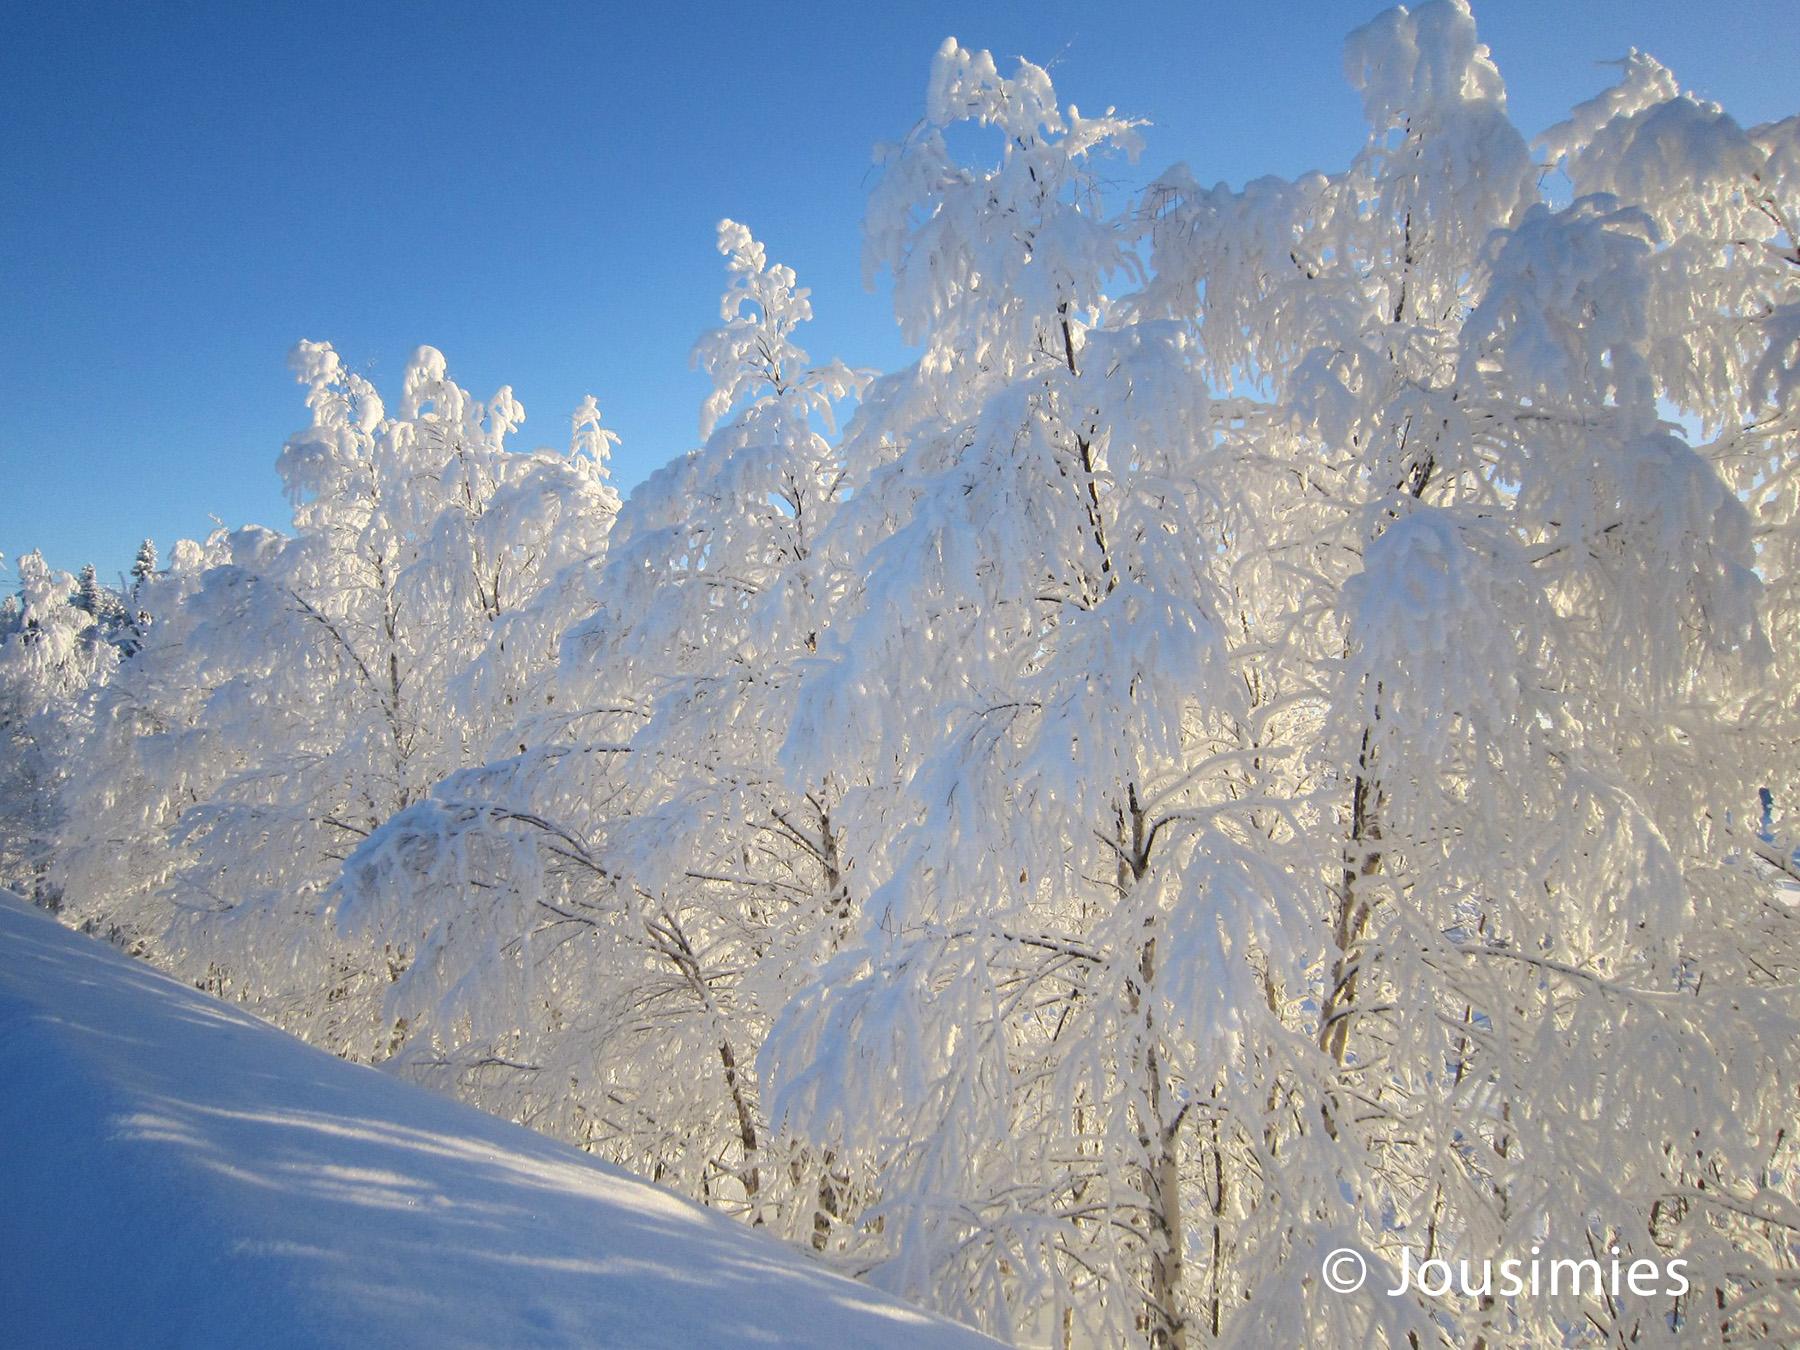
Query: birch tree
638,881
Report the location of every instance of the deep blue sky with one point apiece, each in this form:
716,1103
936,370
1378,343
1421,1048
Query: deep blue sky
187,189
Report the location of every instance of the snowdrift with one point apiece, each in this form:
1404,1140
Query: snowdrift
178,1173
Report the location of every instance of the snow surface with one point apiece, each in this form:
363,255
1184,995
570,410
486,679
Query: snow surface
177,1172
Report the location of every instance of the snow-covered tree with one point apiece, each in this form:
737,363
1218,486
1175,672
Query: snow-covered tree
641,882
1047,734
1170,1010
324,665
87,589
143,567
52,656
146,756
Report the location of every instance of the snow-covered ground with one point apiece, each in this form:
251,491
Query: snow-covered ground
178,1173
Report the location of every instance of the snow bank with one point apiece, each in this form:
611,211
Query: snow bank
176,1172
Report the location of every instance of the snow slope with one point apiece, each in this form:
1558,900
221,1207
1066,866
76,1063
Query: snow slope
177,1173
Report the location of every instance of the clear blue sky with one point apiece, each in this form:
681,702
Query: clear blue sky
187,189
